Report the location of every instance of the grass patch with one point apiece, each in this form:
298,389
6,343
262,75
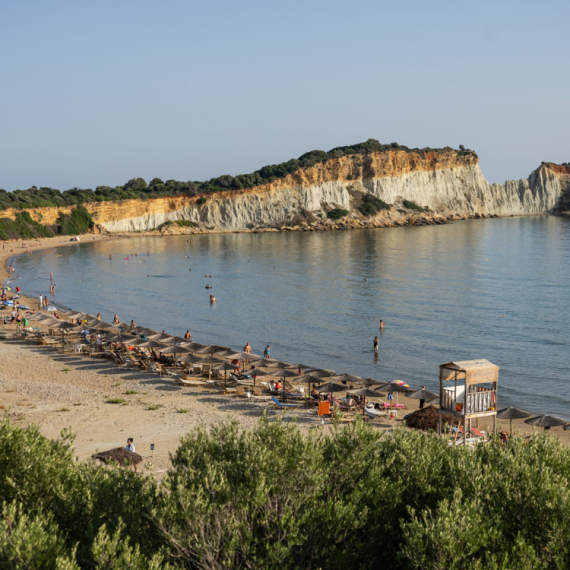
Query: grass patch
182,410
63,410
77,404
116,401
66,369
412,206
337,214
186,224
130,392
115,385
154,407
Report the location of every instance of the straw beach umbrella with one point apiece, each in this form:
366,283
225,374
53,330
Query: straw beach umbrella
176,349
566,427
320,373
395,386
330,388
225,367
286,373
424,395
546,421
213,349
512,414
365,393
310,380
255,372
161,337
347,379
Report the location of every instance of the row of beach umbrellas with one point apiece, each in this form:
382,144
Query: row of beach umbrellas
328,382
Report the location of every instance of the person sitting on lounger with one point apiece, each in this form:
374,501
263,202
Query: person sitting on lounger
278,386
315,394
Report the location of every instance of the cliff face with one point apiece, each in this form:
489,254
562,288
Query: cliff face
449,184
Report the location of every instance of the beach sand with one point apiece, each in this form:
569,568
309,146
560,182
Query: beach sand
43,386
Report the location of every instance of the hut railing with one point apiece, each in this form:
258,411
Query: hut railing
475,402
481,401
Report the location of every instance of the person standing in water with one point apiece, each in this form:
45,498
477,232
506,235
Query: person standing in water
381,326
267,352
376,344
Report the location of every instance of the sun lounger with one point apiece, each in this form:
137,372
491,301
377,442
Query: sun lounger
189,382
373,413
477,433
278,404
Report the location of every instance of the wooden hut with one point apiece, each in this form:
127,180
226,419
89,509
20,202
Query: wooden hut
467,390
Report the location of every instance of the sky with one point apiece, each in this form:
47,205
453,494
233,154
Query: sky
96,93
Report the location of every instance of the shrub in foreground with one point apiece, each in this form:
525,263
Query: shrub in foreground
273,497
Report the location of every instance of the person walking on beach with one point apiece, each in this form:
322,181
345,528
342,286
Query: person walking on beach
41,300
376,344
247,348
131,447
267,352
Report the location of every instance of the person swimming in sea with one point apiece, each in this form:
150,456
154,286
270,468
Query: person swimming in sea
208,286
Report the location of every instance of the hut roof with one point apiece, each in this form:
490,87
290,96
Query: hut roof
474,371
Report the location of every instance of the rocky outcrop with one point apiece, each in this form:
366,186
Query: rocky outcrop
444,184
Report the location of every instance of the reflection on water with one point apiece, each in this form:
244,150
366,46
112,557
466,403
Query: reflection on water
496,289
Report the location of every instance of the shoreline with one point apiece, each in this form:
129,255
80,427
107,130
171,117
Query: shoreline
58,391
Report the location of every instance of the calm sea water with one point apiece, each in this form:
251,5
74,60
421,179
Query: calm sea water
496,289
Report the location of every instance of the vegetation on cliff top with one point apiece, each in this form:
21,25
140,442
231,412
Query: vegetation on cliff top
139,189
274,497
23,227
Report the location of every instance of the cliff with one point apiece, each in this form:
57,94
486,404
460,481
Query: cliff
442,184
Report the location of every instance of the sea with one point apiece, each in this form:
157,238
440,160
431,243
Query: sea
497,289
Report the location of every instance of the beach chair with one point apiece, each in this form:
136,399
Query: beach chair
373,413
206,370
478,433
240,391
188,381
258,396
280,405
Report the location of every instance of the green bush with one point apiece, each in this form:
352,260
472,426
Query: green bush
186,224
276,497
22,227
372,205
337,214
413,206
201,200
78,222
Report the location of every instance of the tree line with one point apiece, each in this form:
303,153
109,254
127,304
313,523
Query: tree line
139,189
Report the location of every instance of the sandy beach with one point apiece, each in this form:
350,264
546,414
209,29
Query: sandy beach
57,391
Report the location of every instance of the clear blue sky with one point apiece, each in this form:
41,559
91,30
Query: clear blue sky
95,93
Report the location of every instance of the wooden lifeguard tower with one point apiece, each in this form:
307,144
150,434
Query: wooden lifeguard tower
467,390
